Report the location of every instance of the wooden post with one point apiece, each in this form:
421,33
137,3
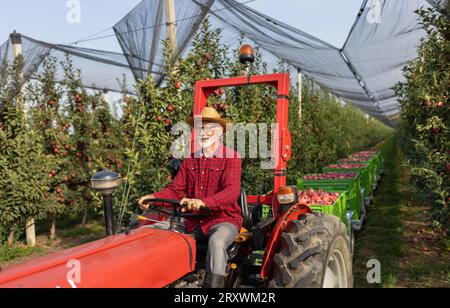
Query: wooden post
105,96
30,230
300,94
171,28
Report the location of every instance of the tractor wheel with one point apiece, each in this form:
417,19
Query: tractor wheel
314,253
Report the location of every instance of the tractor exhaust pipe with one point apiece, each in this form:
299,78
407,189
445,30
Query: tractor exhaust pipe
106,182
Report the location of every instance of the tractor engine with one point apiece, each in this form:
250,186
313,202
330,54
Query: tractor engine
146,258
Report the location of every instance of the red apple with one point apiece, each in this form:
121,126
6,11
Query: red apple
208,56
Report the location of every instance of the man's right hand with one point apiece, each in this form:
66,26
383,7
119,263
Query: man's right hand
142,205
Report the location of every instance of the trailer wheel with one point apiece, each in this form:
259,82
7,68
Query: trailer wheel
314,253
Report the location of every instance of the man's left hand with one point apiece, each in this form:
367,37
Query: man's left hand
192,205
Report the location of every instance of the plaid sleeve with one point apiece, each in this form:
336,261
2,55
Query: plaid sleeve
231,180
177,189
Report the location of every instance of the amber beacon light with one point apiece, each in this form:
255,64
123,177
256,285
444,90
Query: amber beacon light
246,54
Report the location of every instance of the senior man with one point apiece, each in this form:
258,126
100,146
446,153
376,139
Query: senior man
209,178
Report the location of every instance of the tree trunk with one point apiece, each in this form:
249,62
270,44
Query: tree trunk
85,216
53,230
30,230
11,237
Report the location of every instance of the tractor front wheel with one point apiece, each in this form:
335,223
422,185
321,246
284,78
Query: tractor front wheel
314,253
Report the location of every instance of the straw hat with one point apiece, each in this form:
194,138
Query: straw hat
209,115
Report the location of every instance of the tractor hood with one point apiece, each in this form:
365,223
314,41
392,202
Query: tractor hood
146,258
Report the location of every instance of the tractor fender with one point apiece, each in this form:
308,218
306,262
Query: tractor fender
273,243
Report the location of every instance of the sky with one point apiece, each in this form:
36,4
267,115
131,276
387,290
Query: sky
46,20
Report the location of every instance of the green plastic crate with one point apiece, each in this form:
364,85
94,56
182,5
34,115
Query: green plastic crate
266,211
364,177
338,209
372,169
351,187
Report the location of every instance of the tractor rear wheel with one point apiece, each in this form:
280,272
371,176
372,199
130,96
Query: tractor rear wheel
314,253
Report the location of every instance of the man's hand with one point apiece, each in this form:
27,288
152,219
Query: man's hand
142,205
192,205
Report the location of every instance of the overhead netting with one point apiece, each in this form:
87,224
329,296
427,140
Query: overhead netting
101,70
383,39
141,32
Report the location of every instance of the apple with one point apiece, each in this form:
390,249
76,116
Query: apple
346,166
427,104
167,122
320,197
170,108
440,104
208,56
178,85
330,176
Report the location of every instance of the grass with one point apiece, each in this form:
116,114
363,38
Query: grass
66,238
8,253
397,235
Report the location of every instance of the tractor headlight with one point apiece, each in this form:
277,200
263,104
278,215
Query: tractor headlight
287,195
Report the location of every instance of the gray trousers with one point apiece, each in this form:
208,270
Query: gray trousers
220,237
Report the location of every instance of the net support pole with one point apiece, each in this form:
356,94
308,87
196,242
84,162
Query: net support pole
171,28
300,94
105,96
30,227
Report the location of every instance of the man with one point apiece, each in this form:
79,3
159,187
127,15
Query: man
209,178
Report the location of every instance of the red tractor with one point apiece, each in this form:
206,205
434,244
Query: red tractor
299,248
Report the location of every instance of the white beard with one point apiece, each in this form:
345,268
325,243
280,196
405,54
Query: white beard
208,143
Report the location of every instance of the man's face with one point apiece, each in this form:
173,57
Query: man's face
210,134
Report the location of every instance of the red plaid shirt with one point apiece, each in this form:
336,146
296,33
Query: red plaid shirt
216,181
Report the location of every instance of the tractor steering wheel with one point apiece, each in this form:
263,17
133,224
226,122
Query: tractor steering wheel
176,210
